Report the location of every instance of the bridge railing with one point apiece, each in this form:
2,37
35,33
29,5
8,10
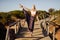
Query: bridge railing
14,26
48,20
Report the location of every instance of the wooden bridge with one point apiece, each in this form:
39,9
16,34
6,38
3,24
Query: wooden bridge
22,33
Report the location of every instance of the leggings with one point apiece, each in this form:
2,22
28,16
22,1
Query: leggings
30,20
31,24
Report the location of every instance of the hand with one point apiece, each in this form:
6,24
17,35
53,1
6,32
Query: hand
21,6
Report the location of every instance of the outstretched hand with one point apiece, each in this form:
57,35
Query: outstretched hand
21,5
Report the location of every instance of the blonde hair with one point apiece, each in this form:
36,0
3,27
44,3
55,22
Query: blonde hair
34,7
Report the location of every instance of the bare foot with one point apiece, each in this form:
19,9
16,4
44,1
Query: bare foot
31,34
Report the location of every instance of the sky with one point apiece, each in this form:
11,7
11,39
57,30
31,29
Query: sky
9,5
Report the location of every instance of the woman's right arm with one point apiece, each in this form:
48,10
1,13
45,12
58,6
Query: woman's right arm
24,8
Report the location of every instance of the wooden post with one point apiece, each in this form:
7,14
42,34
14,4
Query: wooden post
7,36
48,30
18,25
54,33
15,28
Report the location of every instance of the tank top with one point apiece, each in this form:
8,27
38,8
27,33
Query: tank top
33,13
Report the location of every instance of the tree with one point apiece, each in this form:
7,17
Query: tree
18,14
51,10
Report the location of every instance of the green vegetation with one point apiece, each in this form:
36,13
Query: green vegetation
4,16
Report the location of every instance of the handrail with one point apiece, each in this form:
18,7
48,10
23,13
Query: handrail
54,24
49,21
13,24
7,33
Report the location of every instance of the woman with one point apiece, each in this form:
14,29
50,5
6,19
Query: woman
30,18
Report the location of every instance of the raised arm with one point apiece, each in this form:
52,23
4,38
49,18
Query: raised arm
21,6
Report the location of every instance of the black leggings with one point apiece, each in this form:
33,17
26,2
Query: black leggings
30,20
31,24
